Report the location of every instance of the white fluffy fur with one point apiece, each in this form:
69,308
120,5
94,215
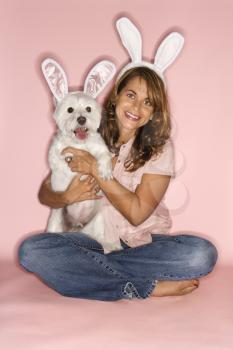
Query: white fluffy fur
86,216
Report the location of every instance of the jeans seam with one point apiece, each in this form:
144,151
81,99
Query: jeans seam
129,295
152,287
182,277
130,250
99,261
80,245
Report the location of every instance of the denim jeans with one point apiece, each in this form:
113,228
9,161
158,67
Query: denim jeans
75,265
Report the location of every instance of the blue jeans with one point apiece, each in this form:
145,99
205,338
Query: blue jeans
75,265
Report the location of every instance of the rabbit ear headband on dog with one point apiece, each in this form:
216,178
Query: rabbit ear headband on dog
99,76
131,38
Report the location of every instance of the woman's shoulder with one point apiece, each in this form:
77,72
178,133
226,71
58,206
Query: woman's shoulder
164,163
168,149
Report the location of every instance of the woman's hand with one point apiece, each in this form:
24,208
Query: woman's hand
81,161
81,190
78,190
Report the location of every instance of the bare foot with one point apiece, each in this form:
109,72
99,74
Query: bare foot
169,288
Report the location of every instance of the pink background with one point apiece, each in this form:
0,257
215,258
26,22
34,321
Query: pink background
77,34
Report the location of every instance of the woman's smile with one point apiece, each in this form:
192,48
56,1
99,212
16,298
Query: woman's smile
132,116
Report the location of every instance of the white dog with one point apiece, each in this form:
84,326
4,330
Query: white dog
78,116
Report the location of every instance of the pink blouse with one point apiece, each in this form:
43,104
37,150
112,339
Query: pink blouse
116,226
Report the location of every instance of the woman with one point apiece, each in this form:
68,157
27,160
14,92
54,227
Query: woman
136,128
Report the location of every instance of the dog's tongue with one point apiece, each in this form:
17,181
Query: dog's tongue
80,133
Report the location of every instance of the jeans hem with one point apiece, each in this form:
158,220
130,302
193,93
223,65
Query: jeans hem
130,291
152,287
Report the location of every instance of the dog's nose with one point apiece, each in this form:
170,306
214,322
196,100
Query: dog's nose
81,120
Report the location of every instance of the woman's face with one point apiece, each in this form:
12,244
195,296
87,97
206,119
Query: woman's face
133,107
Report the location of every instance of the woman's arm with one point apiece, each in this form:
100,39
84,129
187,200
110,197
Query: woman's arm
136,206
78,190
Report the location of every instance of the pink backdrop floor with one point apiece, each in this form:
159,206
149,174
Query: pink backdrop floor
35,317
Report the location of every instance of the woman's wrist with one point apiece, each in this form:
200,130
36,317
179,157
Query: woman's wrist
65,198
69,197
50,198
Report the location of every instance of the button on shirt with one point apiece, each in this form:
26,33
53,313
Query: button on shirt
116,225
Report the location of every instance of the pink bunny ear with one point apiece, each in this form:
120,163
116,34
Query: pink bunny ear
56,78
99,77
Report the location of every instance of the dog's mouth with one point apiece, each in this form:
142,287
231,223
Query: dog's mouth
81,132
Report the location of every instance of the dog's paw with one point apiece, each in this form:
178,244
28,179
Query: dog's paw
105,174
83,177
111,247
105,168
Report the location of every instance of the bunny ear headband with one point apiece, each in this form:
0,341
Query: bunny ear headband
99,76
131,38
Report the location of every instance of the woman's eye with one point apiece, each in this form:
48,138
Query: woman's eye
70,110
88,109
148,103
130,95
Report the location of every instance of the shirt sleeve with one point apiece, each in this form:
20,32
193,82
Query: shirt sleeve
164,164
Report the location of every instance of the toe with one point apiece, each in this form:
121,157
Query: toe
188,290
195,282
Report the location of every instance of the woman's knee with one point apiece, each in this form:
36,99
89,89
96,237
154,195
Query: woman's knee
203,254
30,250
26,250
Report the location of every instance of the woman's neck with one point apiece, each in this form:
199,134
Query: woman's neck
124,138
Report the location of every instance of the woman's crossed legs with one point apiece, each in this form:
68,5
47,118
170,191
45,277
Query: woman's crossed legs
75,265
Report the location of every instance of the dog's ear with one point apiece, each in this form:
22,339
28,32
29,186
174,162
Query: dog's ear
56,78
99,76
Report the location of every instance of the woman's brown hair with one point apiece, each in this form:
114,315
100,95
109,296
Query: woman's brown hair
151,137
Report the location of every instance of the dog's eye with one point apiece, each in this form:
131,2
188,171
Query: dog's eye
88,109
70,110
